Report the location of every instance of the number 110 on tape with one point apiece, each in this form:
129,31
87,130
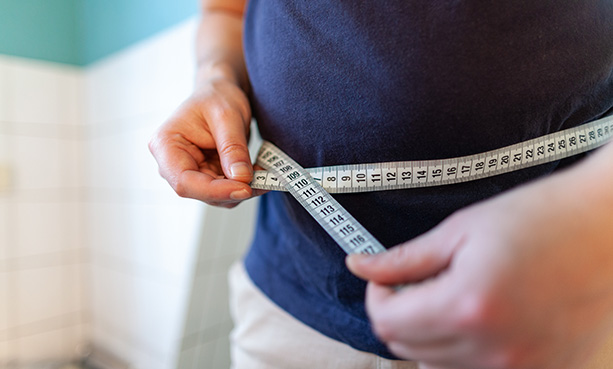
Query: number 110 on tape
351,236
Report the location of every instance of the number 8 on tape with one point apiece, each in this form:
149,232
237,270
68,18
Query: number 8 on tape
284,174
340,225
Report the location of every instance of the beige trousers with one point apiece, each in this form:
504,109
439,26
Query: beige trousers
266,337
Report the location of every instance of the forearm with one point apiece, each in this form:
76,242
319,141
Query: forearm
219,42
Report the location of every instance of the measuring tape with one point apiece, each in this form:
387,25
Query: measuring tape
312,186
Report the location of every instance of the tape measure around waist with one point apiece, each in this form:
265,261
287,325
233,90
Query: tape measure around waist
412,174
351,236
312,187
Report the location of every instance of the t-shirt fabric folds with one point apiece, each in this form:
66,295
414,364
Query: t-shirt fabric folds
344,82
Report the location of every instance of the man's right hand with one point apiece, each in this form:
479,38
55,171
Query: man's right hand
202,150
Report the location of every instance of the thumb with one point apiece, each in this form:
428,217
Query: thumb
231,142
418,259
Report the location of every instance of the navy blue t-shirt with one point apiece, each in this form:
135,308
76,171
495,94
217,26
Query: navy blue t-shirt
342,82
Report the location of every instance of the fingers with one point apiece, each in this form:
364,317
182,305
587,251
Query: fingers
417,315
229,128
182,164
415,322
414,315
205,140
415,260
197,185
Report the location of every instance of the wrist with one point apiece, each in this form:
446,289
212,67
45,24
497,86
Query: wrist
217,70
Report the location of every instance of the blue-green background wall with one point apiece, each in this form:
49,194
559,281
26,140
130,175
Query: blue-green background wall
80,32
40,29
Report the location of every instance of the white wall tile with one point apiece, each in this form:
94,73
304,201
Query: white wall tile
73,225
197,302
37,102
40,92
206,355
33,93
122,159
71,294
109,230
159,234
72,163
4,66
5,215
138,230
216,308
11,352
145,168
128,349
222,353
38,294
178,232
109,162
228,232
44,228
42,346
36,162
110,299
73,339
146,361
70,93
5,144
187,358
105,339
151,75
144,310
4,308
3,353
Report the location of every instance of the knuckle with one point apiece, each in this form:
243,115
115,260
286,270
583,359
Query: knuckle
162,174
221,111
180,189
245,110
232,148
507,358
476,312
151,146
155,142
225,111
384,328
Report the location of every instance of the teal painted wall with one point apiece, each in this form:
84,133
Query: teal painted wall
80,32
40,29
110,25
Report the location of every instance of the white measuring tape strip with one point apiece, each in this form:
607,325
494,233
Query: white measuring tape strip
312,187
412,174
342,226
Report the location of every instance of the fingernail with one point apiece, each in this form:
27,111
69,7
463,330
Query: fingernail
241,169
240,195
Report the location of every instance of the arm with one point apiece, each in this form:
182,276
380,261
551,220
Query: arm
201,149
523,280
219,47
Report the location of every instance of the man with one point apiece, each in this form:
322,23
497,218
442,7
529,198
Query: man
504,274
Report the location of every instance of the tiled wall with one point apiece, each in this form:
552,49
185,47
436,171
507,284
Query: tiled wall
94,245
205,341
144,261
42,254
